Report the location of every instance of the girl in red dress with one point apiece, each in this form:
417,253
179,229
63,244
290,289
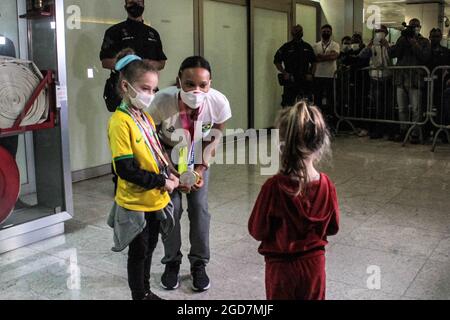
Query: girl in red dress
296,210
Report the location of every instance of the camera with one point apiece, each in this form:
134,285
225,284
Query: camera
408,31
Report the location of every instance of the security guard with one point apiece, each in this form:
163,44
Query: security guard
7,49
294,60
132,33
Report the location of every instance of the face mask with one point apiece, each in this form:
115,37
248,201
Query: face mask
355,46
141,100
418,30
135,10
193,99
380,36
326,36
346,47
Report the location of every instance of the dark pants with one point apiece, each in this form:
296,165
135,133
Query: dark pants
296,92
199,224
324,98
443,114
10,144
140,253
381,106
297,279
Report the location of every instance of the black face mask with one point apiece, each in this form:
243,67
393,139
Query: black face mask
326,36
135,10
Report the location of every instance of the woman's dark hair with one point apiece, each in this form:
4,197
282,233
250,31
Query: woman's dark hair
346,38
195,62
133,71
435,30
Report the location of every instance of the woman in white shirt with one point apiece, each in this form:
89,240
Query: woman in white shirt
190,109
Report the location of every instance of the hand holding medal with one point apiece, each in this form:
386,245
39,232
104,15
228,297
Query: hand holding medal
191,181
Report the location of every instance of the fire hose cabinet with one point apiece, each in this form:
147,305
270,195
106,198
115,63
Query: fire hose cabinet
35,181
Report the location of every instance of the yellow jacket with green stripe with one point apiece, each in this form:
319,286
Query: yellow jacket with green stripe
126,141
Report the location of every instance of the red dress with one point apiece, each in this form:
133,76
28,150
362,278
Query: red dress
293,233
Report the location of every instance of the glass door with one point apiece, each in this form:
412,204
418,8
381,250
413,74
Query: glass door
225,46
270,33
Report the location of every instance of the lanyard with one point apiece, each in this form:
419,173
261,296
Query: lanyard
324,49
189,126
148,133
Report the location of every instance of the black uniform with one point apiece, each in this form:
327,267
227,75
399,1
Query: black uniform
297,57
143,39
9,143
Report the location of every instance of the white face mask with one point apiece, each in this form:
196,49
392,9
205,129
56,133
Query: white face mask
193,99
355,46
346,47
418,30
141,100
380,36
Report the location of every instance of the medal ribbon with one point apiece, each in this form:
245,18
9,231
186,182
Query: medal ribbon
187,155
149,134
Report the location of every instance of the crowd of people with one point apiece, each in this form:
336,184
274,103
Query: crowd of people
308,72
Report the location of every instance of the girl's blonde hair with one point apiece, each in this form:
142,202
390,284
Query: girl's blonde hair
305,134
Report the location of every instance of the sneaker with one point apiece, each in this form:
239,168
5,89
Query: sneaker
362,133
151,296
170,279
200,280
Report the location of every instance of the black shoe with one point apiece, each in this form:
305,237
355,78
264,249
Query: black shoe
170,279
151,296
200,280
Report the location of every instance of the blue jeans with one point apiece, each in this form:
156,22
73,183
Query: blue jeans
199,224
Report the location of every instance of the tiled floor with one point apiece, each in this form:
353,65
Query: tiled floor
395,216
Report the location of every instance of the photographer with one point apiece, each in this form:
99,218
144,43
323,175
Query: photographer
380,82
411,49
294,61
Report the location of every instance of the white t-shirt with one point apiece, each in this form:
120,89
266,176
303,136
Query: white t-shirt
165,111
326,69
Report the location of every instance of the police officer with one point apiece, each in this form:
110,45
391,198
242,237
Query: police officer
294,60
135,34
7,49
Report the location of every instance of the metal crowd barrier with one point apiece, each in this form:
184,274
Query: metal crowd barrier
388,97
440,103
